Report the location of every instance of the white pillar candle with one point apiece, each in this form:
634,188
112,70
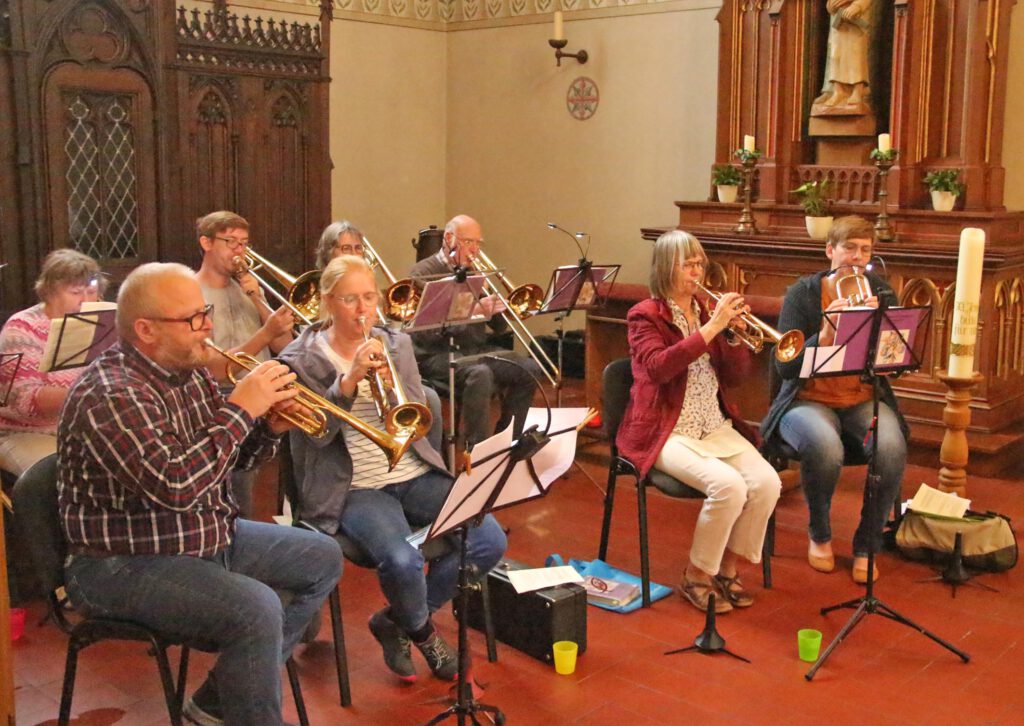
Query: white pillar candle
559,26
748,143
964,331
884,143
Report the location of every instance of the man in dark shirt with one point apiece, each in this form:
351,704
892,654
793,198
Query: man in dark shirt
477,377
145,444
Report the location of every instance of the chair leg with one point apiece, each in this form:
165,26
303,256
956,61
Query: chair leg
340,654
167,681
293,679
767,550
485,600
606,522
645,566
68,691
182,676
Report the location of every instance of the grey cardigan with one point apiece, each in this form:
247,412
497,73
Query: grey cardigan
323,467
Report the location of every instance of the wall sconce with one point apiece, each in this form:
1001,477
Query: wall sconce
558,42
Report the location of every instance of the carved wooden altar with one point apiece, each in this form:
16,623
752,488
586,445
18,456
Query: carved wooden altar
939,88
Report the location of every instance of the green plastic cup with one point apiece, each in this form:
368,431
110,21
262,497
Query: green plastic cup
565,656
809,643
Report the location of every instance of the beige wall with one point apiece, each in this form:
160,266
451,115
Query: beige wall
388,107
1013,150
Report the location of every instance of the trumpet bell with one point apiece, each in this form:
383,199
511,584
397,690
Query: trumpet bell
402,299
789,346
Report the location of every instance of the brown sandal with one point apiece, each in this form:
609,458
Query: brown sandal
698,593
732,590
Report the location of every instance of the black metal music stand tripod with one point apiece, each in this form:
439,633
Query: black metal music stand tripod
467,504
869,604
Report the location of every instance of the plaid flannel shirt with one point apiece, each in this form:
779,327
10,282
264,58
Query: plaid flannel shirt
144,457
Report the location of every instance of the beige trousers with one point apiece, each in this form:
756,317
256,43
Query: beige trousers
19,451
741,492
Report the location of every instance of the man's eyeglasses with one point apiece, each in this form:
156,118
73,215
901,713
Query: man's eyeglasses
356,250
470,241
234,244
196,321
370,299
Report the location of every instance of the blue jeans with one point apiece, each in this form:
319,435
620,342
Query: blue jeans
378,520
226,601
814,430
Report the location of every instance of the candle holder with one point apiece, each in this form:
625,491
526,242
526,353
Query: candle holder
956,416
884,160
559,43
746,224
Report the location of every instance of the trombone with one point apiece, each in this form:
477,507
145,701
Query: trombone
405,415
787,345
314,422
521,302
303,292
401,298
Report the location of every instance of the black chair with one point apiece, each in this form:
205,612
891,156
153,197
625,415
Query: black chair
616,384
38,520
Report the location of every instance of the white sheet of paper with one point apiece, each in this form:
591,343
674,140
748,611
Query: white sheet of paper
941,504
541,577
77,336
815,360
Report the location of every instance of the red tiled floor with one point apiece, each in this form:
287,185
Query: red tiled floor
883,673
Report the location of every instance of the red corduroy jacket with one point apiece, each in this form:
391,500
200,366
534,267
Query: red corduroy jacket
661,357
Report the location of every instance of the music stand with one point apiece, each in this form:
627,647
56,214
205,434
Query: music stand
9,365
447,301
503,473
77,339
872,342
575,287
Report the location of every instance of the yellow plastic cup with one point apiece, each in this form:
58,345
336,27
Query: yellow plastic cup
809,643
565,656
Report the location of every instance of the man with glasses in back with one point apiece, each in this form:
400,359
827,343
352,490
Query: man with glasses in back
477,374
145,444
242,321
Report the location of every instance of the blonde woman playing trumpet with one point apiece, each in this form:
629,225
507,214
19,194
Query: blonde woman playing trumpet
344,479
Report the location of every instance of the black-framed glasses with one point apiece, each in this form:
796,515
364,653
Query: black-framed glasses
195,321
234,244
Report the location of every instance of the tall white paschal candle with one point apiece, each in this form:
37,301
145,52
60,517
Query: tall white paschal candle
559,27
748,143
964,332
884,143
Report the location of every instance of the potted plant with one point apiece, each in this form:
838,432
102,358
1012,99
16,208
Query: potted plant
811,196
726,179
945,186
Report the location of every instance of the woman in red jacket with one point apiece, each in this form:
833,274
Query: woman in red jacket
679,422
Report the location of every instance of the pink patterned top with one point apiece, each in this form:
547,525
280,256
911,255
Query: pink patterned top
25,332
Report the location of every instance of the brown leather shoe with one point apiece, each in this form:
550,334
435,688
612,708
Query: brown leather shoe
731,589
860,574
698,593
819,563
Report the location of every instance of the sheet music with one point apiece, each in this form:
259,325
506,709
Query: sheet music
822,359
940,504
72,335
540,577
555,459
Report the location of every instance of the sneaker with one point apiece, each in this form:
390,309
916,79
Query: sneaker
443,661
396,646
194,714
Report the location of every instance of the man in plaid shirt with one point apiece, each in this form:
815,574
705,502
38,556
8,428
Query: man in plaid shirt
145,445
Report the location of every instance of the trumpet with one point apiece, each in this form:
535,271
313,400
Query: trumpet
404,415
850,282
521,302
303,297
401,298
787,345
314,422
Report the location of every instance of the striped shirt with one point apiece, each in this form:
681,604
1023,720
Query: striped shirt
144,456
26,332
369,465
